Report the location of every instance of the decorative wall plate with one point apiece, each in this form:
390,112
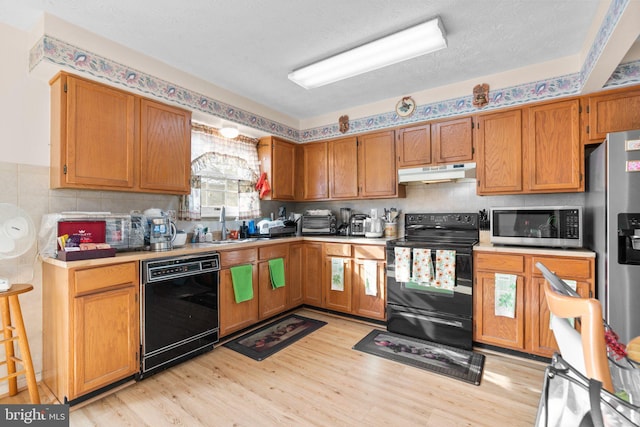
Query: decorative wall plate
405,107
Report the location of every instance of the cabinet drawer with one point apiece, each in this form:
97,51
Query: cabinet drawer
337,249
93,279
236,257
369,252
271,252
500,262
567,268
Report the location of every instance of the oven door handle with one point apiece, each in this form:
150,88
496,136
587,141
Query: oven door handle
454,323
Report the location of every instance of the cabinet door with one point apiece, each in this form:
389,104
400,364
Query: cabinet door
453,140
106,337
312,275
235,316
542,341
497,330
272,300
553,151
99,147
339,300
612,112
499,160
316,171
343,168
372,306
377,172
165,148
582,270
413,146
297,275
283,170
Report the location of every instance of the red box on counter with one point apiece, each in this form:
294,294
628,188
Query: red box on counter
83,231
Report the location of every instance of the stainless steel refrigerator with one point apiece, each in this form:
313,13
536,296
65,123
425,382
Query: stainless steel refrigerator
612,228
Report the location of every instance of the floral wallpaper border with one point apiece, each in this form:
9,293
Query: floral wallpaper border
604,33
59,52
64,54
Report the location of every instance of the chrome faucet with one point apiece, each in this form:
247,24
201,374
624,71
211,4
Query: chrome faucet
223,224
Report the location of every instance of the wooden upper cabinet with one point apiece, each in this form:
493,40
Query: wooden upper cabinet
315,166
453,140
343,168
612,112
165,148
104,138
499,140
553,153
377,174
278,160
413,146
93,135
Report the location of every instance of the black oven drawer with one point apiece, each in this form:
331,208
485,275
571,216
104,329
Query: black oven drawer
431,326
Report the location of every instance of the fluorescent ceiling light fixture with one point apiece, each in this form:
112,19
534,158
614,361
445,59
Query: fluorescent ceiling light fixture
407,44
229,131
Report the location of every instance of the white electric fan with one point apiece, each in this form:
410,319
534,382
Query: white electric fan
17,235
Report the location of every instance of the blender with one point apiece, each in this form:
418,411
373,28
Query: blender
345,218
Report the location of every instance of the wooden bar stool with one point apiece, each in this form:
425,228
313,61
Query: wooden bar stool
10,304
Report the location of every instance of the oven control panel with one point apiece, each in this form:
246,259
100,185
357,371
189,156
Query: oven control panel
447,220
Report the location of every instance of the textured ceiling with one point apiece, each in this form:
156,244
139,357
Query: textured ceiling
249,46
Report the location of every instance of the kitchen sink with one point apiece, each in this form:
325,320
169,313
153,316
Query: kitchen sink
226,242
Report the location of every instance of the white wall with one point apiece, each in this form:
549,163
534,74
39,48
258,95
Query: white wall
24,104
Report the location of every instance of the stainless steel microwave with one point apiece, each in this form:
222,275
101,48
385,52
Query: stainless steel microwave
551,226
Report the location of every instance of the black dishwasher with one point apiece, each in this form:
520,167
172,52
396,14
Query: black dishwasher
179,309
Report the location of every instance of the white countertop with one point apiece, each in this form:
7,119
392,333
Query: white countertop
577,252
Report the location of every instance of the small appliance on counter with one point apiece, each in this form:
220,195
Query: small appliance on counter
123,232
357,224
373,226
162,232
318,222
276,228
345,222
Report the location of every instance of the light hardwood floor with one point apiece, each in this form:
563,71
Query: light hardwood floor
319,381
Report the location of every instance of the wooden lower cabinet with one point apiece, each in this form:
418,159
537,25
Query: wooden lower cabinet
489,328
528,331
371,306
313,260
271,301
353,298
91,334
337,296
296,277
235,316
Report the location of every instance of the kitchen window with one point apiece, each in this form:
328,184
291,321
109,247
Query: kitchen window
223,173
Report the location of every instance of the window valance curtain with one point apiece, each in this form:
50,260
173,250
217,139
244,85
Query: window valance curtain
214,156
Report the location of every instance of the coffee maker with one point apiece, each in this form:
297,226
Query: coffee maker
345,220
162,232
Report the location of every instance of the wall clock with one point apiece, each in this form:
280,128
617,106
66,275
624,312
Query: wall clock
405,107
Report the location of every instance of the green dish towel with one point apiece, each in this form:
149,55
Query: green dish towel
242,278
276,270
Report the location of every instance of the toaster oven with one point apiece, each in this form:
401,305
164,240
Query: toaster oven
318,224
